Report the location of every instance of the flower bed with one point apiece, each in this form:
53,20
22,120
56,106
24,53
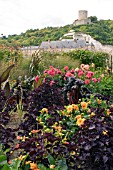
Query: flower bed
53,135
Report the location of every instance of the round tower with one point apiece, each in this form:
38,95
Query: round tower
82,14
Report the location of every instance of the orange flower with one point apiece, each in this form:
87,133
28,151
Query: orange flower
44,110
84,105
75,107
19,137
20,157
99,101
35,131
34,166
17,146
9,162
66,143
69,109
78,117
80,121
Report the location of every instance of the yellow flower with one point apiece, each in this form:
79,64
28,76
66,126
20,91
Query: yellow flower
44,110
108,112
52,166
59,128
75,107
69,109
28,162
80,121
92,114
84,105
105,132
93,65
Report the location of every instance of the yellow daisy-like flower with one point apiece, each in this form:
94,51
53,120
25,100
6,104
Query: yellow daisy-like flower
44,110
84,105
105,132
52,166
80,121
108,112
92,114
69,109
75,107
58,128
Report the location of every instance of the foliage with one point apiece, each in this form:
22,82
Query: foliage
52,135
89,57
94,141
100,30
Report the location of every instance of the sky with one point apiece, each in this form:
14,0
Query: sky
17,16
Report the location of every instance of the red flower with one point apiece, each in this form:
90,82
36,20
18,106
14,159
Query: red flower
80,73
90,74
36,78
66,68
52,82
94,80
69,74
51,72
87,81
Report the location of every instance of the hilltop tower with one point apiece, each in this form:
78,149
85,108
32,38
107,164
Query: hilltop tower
82,18
82,14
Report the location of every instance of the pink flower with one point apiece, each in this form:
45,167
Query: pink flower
99,79
90,74
82,66
69,74
72,71
87,81
66,68
45,71
80,73
86,67
36,78
94,80
51,72
52,82
58,71
51,67
102,75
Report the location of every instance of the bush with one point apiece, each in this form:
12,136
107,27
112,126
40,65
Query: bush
94,146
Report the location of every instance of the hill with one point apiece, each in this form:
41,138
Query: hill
100,30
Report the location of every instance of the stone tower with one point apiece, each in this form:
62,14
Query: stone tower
82,14
82,18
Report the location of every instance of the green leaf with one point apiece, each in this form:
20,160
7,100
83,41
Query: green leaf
15,164
5,74
41,167
3,158
27,167
6,167
51,160
62,164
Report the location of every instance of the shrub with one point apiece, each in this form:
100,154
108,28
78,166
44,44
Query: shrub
94,144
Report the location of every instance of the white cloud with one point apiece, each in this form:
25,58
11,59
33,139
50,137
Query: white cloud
18,16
